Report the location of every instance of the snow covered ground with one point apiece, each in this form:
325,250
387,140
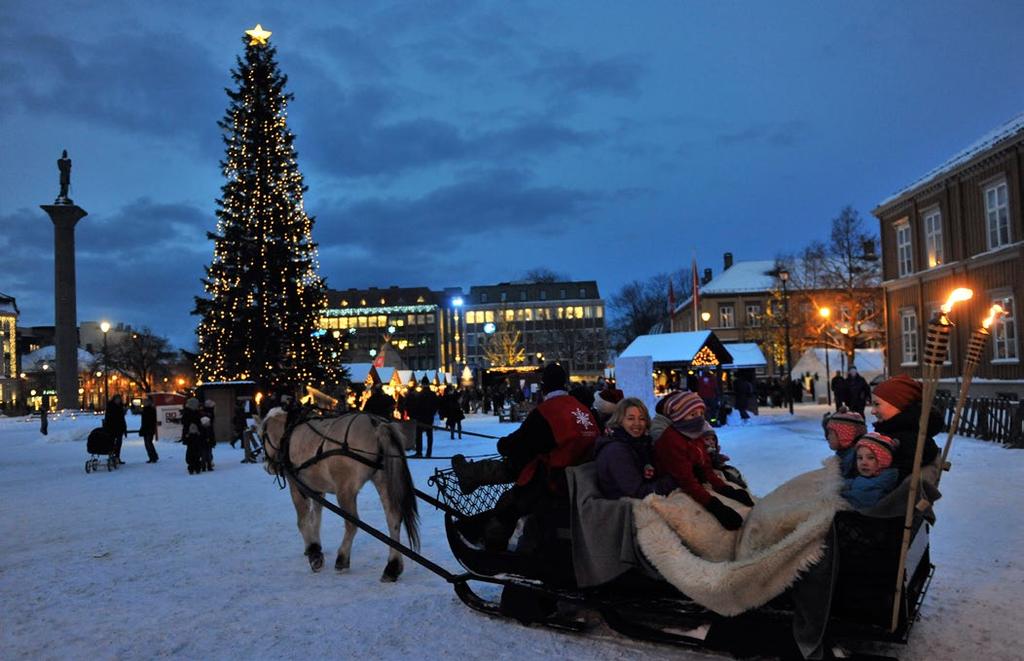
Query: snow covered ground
148,561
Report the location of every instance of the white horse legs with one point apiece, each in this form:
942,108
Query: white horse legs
308,514
347,502
395,565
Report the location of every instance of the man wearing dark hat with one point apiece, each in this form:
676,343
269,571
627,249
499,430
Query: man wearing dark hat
421,405
558,433
856,392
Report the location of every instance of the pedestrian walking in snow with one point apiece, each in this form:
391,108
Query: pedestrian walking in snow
147,430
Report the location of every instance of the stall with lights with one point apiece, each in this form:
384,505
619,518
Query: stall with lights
674,356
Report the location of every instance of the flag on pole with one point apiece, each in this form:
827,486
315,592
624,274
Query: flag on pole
695,284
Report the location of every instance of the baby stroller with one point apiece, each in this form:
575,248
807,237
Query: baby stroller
100,443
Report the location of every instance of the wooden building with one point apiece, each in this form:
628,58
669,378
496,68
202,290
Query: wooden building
960,225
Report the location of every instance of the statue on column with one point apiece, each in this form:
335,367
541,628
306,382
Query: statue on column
64,165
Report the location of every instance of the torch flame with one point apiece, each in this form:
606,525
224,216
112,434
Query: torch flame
259,398
993,312
959,294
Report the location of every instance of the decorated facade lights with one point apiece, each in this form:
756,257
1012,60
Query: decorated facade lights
935,351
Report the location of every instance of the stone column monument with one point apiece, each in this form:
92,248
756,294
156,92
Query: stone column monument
64,213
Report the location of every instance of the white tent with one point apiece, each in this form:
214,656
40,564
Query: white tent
870,363
33,362
745,354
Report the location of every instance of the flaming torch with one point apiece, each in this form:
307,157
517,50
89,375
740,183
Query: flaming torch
935,351
979,338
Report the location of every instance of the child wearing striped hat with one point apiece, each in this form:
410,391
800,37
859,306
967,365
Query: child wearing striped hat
875,477
680,451
842,430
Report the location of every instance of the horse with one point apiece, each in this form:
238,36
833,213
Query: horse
377,443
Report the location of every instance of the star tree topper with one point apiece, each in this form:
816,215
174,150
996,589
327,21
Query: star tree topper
259,35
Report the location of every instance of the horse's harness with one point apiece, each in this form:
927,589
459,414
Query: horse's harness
281,464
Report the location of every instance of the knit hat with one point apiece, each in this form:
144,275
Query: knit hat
881,446
679,404
553,378
901,391
605,400
848,426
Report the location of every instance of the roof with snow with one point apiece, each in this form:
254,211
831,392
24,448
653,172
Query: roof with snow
33,362
8,305
741,277
677,347
745,354
357,372
991,140
869,362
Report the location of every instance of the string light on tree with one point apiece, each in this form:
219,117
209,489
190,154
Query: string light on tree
263,294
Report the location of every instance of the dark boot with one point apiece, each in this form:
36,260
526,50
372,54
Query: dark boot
473,474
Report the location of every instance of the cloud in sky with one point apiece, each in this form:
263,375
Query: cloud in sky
465,142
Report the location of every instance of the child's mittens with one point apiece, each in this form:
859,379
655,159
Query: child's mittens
726,516
739,495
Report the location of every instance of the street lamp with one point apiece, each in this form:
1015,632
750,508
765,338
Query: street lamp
105,327
42,386
825,314
784,277
705,317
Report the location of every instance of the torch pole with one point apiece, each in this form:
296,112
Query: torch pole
974,348
936,348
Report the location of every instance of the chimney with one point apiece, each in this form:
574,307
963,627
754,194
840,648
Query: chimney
728,260
707,277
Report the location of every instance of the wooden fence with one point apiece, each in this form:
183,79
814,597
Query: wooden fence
990,419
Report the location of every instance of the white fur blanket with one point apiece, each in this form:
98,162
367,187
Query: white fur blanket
732,572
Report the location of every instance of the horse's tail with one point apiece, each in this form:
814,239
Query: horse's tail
401,491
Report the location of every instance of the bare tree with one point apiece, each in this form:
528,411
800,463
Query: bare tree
505,346
543,275
577,348
641,304
142,358
843,276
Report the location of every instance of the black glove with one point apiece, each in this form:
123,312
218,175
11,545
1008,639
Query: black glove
726,516
739,495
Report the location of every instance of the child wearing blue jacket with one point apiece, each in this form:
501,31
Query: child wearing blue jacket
874,479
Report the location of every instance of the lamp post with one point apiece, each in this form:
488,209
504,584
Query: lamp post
784,277
105,327
705,317
825,314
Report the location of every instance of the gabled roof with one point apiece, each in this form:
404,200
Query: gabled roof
742,277
677,347
990,140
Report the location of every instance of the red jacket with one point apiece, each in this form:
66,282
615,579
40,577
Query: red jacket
573,432
688,462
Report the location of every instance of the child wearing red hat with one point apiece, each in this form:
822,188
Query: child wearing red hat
842,429
874,477
680,452
896,405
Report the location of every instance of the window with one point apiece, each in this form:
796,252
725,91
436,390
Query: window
510,315
1004,334
504,296
908,328
561,293
726,316
471,317
543,294
753,314
933,237
904,257
583,292
522,295
997,211
483,298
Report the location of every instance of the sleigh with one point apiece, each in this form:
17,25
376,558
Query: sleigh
538,587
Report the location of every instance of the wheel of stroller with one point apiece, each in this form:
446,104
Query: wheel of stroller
88,466
111,465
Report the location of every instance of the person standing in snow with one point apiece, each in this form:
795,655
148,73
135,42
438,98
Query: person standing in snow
113,422
44,423
839,390
147,429
858,393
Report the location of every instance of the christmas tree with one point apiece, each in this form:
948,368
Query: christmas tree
263,295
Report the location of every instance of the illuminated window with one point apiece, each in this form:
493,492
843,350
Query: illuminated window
578,311
510,315
753,314
471,317
490,317
1004,334
560,314
726,316
528,314
933,237
362,322
600,312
